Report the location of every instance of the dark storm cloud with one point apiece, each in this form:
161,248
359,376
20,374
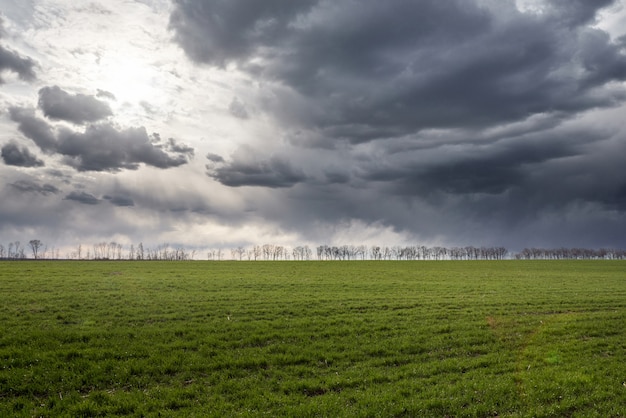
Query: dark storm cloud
374,70
455,120
221,32
247,169
103,146
58,104
336,177
577,12
30,186
83,197
13,154
477,169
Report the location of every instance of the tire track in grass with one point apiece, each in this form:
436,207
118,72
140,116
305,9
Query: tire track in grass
523,343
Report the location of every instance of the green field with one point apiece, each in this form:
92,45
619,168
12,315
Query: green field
360,338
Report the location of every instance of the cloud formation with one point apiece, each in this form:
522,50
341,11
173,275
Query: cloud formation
58,104
13,154
12,61
247,169
122,201
237,109
29,186
374,71
83,197
468,109
101,146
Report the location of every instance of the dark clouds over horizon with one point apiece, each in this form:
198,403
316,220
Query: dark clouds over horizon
475,122
394,74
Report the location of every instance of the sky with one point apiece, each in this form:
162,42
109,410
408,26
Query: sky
218,124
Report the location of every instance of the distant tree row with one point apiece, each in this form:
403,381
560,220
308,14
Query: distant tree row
100,251
359,252
116,251
571,254
16,251
417,252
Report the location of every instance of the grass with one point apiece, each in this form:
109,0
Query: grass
370,339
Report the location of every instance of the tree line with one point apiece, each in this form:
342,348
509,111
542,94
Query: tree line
36,249
570,254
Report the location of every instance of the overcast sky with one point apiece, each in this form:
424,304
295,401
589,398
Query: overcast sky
210,123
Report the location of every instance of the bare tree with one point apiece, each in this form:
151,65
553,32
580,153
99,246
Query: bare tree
237,253
35,245
19,250
140,253
258,251
268,250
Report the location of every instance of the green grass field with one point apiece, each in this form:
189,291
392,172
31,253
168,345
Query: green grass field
329,339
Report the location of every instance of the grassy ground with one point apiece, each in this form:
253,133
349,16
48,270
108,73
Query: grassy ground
463,339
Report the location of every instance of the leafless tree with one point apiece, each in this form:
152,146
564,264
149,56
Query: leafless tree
35,245
19,250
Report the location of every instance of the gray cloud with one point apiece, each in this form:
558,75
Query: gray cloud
221,33
13,154
177,148
374,70
577,12
247,169
123,201
30,186
237,109
105,94
10,60
101,147
58,104
215,158
455,120
40,131
83,197
476,169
